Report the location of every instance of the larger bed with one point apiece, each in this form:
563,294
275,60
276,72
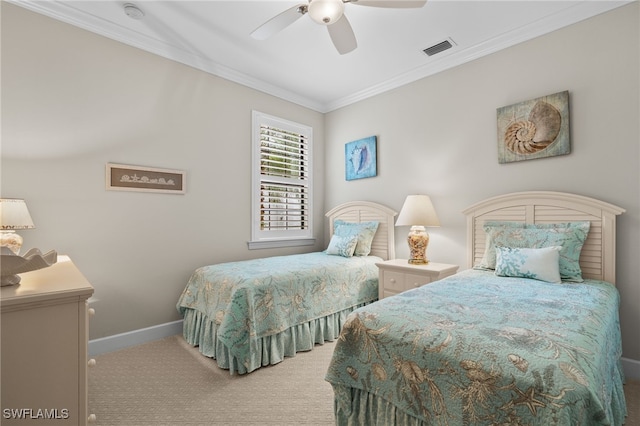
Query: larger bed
254,313
481,349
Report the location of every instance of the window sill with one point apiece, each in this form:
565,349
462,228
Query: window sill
264,244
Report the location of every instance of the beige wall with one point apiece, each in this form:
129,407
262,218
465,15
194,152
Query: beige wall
438,136
73,101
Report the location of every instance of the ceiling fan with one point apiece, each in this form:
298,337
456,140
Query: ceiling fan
331,14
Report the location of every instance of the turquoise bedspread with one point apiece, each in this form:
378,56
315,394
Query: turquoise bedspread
232,309
476,349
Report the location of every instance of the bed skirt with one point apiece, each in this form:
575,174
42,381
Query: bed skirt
199,330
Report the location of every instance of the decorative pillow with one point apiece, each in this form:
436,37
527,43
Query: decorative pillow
342,246
540,264
570,237
489,255
364,231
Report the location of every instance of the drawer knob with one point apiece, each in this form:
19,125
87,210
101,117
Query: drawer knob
392,280
91,418
92,312
91,363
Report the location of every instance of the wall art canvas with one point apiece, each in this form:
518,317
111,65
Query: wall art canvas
121,177
533,129
360,158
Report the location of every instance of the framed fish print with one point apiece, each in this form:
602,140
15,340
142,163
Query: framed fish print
360,158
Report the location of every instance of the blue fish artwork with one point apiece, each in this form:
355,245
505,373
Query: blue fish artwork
360,158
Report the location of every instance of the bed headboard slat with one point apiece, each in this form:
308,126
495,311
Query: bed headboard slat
366,211
597,259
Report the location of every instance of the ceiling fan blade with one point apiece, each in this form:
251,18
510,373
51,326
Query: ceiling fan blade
279,22
399,4
342,35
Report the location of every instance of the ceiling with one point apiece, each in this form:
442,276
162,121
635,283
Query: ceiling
300,64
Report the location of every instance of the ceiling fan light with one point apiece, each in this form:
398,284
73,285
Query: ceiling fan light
326,12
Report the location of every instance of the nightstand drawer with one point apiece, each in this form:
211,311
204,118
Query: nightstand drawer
398,282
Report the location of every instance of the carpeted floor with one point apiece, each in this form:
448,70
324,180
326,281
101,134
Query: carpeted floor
167,382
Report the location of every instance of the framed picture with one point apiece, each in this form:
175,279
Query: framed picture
534,129
121,177
360,158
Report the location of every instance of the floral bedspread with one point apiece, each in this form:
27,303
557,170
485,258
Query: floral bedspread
476,349
252,299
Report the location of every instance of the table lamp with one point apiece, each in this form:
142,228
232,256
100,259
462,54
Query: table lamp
14,215
418,212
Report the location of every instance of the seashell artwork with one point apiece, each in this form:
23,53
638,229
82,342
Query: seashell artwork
534,129
360,158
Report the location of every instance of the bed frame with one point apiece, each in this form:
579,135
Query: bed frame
598,256
364,211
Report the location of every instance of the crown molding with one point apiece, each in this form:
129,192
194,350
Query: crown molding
456,56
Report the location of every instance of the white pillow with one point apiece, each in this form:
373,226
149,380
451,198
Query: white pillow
538,263
342,245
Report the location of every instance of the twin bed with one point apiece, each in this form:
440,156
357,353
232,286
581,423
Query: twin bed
254,313
481,349
528,337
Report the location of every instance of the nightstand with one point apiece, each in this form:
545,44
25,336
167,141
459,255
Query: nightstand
398,275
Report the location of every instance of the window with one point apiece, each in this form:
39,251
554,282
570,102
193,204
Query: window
282,183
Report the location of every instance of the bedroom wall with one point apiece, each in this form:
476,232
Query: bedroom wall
73,101
438,136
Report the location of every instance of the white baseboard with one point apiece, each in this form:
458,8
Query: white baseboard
631,368
133,338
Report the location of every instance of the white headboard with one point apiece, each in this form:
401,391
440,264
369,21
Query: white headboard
598,256
365,211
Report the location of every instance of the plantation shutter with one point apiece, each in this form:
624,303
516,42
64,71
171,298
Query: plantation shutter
284,180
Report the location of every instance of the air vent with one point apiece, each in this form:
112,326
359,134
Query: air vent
439,47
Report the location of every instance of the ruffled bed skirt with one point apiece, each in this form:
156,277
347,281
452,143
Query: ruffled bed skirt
199,330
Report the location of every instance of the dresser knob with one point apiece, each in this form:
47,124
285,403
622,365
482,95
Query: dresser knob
392,280
91,363
91,418
92,312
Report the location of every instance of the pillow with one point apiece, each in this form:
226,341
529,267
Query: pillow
570,236
489,255
342,246
364,231
541,264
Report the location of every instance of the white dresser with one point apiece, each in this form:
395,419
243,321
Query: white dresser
44,336
398,275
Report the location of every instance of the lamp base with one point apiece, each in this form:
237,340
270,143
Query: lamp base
418,240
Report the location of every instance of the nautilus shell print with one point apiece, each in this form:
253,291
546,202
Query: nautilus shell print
534,129
535,133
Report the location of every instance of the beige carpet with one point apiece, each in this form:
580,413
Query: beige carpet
167,382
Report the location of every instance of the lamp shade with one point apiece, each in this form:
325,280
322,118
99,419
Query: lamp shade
417,210
14,215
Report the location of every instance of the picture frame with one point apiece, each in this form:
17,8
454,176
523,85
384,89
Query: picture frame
123,177
536,128
360,158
